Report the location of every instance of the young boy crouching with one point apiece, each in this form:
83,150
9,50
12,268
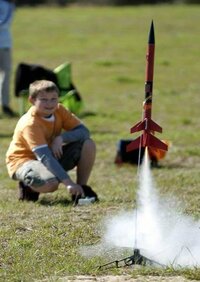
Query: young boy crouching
48,141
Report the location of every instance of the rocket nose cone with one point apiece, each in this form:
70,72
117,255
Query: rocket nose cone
151,34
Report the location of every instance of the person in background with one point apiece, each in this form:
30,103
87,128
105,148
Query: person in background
48,141
6,15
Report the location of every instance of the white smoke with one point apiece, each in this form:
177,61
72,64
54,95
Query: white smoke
155,227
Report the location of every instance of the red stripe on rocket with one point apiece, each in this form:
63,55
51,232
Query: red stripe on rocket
147,139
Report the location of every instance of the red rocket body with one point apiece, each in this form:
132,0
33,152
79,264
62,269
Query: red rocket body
147,139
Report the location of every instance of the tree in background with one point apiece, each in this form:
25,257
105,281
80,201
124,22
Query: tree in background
101,2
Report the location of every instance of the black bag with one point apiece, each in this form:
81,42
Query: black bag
28,73
132,157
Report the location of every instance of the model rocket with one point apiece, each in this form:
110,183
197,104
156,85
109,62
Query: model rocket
147,139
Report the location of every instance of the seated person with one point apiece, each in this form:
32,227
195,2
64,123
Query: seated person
48,141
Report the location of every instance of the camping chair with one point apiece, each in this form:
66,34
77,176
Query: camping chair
61,76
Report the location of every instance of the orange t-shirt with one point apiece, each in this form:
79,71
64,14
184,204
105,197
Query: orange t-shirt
32,131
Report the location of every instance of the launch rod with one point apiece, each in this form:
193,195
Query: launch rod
148,100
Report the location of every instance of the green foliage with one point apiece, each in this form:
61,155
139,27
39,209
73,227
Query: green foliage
101,2
107,49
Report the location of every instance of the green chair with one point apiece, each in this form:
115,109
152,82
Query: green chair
69,96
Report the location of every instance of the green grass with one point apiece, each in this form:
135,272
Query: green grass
107,48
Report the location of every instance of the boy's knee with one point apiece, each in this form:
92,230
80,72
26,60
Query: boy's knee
48,187
90,145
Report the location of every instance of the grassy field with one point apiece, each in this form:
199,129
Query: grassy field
107,48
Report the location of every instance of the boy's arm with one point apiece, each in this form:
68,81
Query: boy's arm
44,155
79,133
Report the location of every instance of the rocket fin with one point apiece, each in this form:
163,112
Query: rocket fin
138,127
135,144
154,126
146,124
152,141
147,140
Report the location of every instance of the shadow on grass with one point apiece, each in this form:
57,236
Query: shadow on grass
155,166
178,164
167,166
55,202
2,135
87,114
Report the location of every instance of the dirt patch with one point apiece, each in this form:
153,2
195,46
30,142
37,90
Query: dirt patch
125,278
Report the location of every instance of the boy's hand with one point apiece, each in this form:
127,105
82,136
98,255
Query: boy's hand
75,189
56,147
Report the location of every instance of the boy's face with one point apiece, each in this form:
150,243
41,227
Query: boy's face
45,103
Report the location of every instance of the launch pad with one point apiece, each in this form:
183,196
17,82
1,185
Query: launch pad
136,259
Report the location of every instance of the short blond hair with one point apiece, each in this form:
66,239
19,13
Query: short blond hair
39,86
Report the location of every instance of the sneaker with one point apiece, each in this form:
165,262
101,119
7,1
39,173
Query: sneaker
8,111
89,194
26,193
